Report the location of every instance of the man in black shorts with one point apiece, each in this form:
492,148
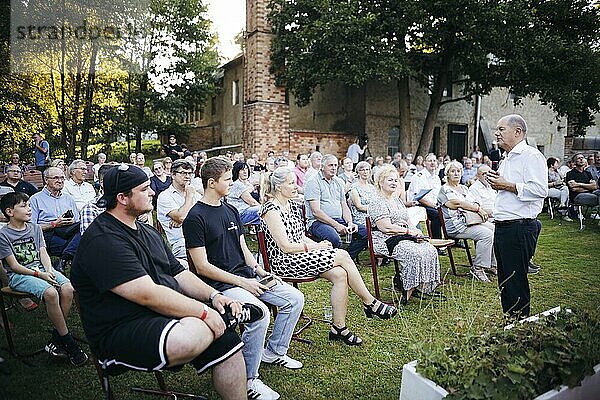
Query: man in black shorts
140,308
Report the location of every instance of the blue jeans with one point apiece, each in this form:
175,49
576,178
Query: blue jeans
63,248
250,216
289,301
322,231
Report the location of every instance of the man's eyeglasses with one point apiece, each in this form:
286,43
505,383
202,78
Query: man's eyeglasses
187,173
14,170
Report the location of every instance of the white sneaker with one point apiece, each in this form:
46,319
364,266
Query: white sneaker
284,360
257,390
479,274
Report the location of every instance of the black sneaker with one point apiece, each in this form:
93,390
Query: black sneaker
76,355
56,350
250,313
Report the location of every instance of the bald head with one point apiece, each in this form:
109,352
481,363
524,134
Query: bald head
510,130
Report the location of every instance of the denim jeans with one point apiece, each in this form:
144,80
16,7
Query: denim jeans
290,302
326,232
250,216
63,248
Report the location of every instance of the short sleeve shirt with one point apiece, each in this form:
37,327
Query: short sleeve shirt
170,199
25,245
218,230
110,254
329,193
235,196
454,220
580,177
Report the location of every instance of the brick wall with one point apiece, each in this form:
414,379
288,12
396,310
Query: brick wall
265,115
204,137
305,142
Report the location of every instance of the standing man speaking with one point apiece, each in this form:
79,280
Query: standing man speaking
521,181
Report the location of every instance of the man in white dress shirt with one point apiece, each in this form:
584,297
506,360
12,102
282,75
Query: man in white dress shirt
482,191
76,187
522,184
173,205
424,180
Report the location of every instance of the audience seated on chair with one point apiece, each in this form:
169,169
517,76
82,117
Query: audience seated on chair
173,206
56,213
556,185
482,192
455,200
28,268
159,181
240,195
393,236
427,179
292,254
328,216
14,180
76,187
214,237
146,312
582,186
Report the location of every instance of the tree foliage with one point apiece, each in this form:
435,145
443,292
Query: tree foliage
439,43
85,94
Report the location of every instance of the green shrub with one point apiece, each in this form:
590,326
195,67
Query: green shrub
118,152
518,363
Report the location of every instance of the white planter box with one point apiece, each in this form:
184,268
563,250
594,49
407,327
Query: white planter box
416,387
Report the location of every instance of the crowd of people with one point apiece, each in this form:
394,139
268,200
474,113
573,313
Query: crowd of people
150,303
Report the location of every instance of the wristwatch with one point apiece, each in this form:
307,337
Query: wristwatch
213,295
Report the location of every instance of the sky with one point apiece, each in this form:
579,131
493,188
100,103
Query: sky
228,19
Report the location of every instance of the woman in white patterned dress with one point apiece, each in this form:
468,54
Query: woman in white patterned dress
420,265
292,254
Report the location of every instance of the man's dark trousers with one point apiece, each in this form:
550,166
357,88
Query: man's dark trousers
326,232
514,245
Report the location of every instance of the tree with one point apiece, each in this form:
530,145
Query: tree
436,43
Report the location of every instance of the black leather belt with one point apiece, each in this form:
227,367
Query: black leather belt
514,221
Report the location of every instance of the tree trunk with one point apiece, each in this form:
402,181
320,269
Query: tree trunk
406,135
441,81
89,97
141,120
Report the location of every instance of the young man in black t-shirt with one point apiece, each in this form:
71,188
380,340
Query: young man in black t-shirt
214,237
139,307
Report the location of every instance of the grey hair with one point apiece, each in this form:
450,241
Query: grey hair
516,121
362,164
74,165
47,171
277,177
454,164
326,158
314,154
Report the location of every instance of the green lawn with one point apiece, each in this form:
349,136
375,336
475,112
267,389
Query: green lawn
570,277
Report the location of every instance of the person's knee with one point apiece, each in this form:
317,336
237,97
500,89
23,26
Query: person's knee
342,257
188,338
296,299
337,275
67,290
51,296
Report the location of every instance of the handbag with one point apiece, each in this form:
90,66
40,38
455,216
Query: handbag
472,218
394,240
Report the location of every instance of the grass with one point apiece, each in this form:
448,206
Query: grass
570,277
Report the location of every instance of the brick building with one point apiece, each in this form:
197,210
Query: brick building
258,116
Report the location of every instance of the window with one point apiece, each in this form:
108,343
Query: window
213,105
393,139
235,95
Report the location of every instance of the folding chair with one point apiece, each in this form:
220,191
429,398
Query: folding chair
105,372
8,300
373,257
262,246
449,247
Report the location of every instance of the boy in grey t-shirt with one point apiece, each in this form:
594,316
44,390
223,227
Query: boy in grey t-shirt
29,270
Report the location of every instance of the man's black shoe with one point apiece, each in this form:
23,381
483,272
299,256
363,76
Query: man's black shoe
250,313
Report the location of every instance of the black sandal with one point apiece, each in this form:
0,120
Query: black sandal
417,294
383,311
349,338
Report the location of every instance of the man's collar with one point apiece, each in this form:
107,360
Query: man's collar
519,147
49,193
